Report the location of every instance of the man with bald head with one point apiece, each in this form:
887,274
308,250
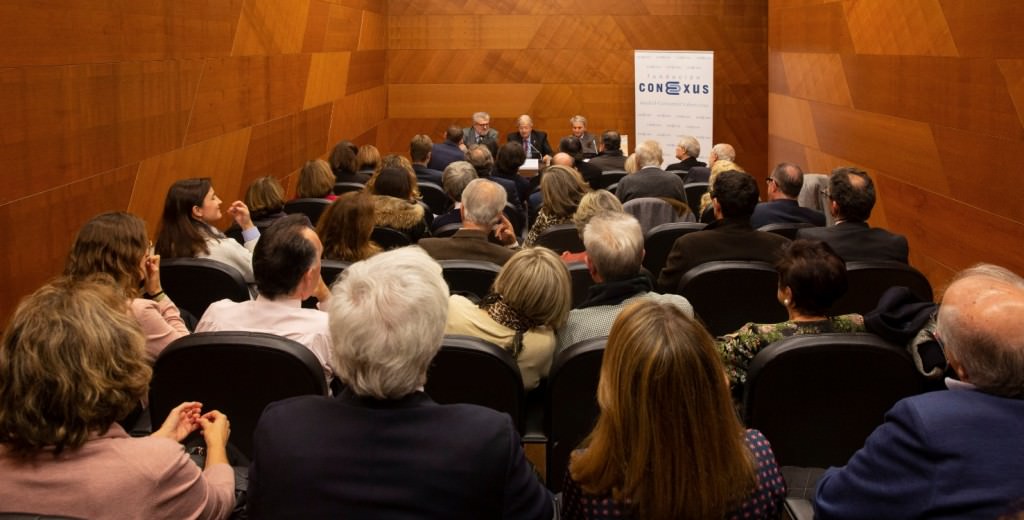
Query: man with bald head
955,453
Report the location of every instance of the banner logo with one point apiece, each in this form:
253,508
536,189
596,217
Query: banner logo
674,88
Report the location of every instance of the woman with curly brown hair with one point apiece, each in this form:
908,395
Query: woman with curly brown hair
72,364
346,226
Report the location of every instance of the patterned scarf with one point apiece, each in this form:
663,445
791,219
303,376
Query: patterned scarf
504,315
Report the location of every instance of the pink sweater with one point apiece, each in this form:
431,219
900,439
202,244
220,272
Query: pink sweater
117,477
161,323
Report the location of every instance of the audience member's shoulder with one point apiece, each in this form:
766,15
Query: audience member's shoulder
296,405
482,421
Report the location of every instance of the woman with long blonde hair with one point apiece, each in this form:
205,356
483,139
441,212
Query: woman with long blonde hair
668,443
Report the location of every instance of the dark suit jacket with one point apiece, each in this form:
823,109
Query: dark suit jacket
686,165
409,458
651,182
590,173
855,241
697,174
490,139
940,455
538,141
451,217
783,211
443,154
466,244
725,239
609,160
424,174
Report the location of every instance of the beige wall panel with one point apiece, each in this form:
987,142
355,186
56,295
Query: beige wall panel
969,94
664,32
791,119
221,159
785,150
367,69
341,32
689,7
462,31
355,114
373,32
284,145
248,90
316,26
778,83
982,171
415,101
809,28
62,124
271,27
904,148
393,135
96,31
1013,73
907,27
46,223
990,28
328,78
815,76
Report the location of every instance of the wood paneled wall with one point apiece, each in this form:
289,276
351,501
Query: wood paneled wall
106,103
553,59
928,96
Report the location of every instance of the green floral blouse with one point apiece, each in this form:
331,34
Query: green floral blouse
740,347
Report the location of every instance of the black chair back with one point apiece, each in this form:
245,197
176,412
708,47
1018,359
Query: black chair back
610,177
787,229
238,373
694,191
518,219
194,283
345,187
471,277
389,238
311,208
471,370
330,269
560,238
728,294
447,230
869,280
659,240
571,408
817,397
435,197
581,282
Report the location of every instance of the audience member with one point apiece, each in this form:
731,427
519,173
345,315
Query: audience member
316,181
383,448
562,189
265,199
719,152
592,204
811,279
444,153
287,265
394,202
650,180
419,151
186,227
528,302
955,453
707,210
573,147
116,244
535,143
368,159
784,186
667,443
481,213
588,144
611,156
615,250
730,237
345,228
481,133
345,165
72,364
630,164
483,162
510,158
852,196
455,178
687,151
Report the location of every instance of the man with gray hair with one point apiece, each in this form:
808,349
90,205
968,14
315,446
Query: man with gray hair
615,251
383,448
954,453
782,207
687,151
723,151
455,178
588,144
650,180
535,143
481,132
482,217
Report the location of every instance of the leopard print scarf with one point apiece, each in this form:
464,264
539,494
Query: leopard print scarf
505,315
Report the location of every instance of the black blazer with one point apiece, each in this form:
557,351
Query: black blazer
855,241
359,457
538,140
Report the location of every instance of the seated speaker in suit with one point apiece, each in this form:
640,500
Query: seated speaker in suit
782,207
578,125
481,133
955,453
535,143
383,448
481,210
852,195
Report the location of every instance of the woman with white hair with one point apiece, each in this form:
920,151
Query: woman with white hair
383,448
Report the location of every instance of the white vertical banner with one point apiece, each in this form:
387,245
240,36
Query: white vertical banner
674,97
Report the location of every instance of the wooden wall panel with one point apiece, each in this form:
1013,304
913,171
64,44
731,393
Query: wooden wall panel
935,94
271,27
355,114
286,144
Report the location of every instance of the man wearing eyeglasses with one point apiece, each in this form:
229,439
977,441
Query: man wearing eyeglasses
782,207
481,133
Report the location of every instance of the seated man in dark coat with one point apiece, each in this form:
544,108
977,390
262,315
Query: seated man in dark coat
956,453
687,151
456,177
535,143
852,195
611,156
730,237
784,186
482,203
383,448
419,151
443,154
573,147
650,180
